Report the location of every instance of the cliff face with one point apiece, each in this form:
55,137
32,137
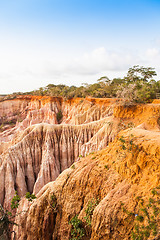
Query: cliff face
24,111
40,155
53,134
114,175
37,150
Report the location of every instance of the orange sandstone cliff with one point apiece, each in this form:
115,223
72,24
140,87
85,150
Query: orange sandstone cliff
46,153
51,135
113,175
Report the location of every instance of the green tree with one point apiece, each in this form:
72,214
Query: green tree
140,74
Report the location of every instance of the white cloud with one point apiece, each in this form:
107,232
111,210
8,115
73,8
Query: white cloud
25,68
152,52
100,60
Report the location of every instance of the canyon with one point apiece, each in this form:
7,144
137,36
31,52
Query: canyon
42,136
77,150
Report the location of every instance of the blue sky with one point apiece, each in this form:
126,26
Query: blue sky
75,41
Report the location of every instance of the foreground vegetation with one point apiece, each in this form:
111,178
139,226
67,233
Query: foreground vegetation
7,217
137,86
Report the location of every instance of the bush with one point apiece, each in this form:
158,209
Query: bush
7,218
59,116
77,231
79,228
89,210
146,218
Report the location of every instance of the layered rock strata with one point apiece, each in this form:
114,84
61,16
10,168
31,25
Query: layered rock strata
118,176
37,149
24,111
40,155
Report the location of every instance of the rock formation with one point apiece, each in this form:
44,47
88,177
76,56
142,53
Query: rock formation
37,149
24,111
40,155
115,176
56,140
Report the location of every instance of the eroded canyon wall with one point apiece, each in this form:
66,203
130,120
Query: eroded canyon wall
49,134
117,176
37,149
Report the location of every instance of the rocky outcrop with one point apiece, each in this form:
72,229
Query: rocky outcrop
145,115
54,135
32,153
79,111
40,154
116,175
24,111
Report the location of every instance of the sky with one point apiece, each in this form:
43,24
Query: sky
75,41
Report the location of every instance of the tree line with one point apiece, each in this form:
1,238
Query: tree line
137,86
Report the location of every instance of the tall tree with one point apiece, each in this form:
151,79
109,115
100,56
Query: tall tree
140,74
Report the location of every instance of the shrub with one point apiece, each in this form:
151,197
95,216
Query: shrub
54,202
73,166
147,218
106,166
79,228
15,201
7,218
59,116
89,210
30,197
77,231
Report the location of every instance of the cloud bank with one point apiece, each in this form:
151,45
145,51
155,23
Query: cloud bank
24,70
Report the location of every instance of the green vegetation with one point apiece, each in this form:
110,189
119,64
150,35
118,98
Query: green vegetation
7,218
73,166
30,197
106,166
5,222
137,86
77,231
54,202
146,218
15,201
123,126
81,228
89,210
127,144
91,153
59,116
